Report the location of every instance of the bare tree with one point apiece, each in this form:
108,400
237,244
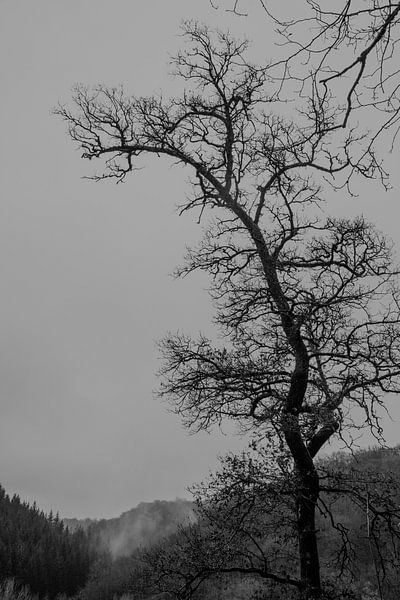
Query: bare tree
308,304
347,52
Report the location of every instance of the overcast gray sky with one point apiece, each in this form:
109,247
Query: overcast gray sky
85,268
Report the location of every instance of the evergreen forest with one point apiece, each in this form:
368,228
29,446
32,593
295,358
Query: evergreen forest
39,551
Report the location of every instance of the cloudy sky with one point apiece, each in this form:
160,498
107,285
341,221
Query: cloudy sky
85,268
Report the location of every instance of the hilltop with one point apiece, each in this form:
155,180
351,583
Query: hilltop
141,526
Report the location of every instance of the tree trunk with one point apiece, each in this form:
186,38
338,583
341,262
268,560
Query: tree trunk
307,536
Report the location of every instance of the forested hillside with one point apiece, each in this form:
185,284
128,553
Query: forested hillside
157,547
143,525
38,550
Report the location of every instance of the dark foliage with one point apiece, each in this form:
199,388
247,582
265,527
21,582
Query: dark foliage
108,579
39,551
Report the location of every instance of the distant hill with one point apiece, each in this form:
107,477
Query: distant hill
149,522
141,526
84,524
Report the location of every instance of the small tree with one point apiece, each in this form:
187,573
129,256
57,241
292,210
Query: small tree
308,303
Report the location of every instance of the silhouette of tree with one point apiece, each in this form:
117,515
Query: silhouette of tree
308,304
